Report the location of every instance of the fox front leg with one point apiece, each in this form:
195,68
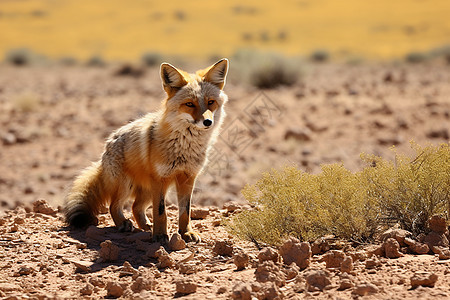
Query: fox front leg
185,186
159,214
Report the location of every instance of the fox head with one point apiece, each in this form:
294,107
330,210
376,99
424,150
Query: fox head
194,101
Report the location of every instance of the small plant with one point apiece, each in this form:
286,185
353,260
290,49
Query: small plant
20,57
415,57
348,205
320,55
96,61
265,70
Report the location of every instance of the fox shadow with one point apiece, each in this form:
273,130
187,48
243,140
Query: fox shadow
132,245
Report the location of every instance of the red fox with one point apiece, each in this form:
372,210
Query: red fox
144,158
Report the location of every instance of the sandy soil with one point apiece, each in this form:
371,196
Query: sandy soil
54,122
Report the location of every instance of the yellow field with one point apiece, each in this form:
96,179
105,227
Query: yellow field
117,29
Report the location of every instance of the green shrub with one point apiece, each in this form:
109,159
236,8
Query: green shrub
349,205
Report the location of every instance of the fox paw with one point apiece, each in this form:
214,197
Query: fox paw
163,239
191,236
126,226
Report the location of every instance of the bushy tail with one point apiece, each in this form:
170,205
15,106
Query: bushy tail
85,198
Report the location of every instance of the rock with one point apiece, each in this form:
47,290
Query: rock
392,248
295,251
41,206
231,206
398,234
9,139
143,283
365,289
127,270
164,259
25,271
416,247
333,258
268,253
443,252
437,224
299,134
372,263
241,260
114,289
151,250
108,251
317,280
345,284
436,239
347,264
241,291
190,267
9,287
95,233
84,266
98,282
199,213
320,246
291,271
426,279
87,290
176,242
377,250
269,290
185,286
268,271
223,247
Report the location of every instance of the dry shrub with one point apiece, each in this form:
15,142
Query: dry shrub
411,189
346,204
265,70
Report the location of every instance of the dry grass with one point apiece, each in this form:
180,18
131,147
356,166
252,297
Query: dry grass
346,204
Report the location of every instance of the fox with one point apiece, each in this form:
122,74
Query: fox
145,157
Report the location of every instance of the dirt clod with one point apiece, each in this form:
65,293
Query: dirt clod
365,289
241,291
268,253
241,260
426,279
185,286
223,247
295,251
317,280
176,242
108,251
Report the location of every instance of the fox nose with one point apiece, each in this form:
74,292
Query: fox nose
207,122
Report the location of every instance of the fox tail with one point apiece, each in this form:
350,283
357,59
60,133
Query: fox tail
85,200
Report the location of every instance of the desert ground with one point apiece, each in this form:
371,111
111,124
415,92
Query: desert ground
54,121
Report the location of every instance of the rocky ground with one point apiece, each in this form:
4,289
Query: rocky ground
54,122
41,258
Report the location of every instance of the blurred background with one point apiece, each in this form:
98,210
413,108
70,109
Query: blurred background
311,82
115,30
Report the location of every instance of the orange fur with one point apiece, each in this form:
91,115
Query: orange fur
144,158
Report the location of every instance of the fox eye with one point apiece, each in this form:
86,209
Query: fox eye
189,104
211,102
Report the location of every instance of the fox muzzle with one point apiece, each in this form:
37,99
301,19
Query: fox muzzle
208,118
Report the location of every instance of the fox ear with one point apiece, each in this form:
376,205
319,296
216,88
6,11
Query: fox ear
217,73
172,78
